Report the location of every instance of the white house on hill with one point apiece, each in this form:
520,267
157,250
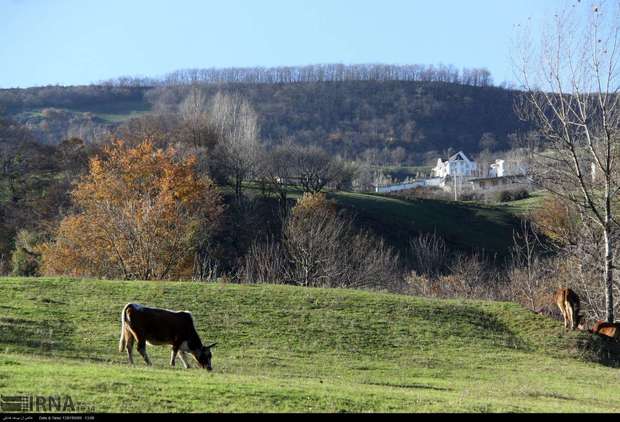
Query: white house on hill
457,165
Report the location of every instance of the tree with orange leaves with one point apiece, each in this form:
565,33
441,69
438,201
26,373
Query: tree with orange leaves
141,213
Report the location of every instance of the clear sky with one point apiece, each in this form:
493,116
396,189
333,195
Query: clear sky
72,42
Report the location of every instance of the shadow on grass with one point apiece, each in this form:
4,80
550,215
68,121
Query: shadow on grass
600,349
470,322
409,386
551,395
46,336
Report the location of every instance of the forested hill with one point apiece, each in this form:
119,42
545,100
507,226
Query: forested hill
347,117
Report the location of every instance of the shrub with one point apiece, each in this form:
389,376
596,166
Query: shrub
512,195
432,192
429,254
472,196
25,259
265,262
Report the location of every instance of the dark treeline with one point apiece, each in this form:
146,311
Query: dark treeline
480,77
132,88
357,118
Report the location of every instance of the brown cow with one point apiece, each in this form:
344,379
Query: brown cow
159,327
607,329
568,302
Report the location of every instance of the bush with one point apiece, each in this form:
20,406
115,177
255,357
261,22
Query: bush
25,260
472,196
432,192
470,277
512,195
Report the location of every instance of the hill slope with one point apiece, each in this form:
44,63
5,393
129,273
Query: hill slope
293,349
343,117
465,227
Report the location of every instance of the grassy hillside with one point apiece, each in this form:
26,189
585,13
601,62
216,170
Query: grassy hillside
464,226
294,349
523,207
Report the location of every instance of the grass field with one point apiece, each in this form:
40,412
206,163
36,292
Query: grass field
524,206
287,349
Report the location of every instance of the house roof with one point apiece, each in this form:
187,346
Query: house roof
459,156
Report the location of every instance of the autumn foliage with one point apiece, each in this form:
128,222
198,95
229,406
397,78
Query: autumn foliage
141,211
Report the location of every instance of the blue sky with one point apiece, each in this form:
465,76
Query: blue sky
71,42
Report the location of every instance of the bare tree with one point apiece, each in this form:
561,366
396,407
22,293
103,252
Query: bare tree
484,160
430,255
530,278
315,168
193,110
320,248
162,130
572,96
318,73
312,237
363,177
277,168
265,262
370,263
585,272
235,124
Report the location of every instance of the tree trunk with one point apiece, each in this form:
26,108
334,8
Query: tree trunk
283,204
238,187
609,276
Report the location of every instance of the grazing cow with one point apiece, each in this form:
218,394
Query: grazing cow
159,327
568,302
607,329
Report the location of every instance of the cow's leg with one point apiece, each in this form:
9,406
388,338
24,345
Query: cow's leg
183,357
563,310
142,351
173,355
129,346
571,316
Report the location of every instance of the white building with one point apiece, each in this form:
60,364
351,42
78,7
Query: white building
457,165
503,168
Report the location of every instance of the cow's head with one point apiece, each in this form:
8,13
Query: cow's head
579,322
204,357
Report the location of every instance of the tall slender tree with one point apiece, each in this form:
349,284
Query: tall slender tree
572,86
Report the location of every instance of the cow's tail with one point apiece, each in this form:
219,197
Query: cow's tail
122,344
